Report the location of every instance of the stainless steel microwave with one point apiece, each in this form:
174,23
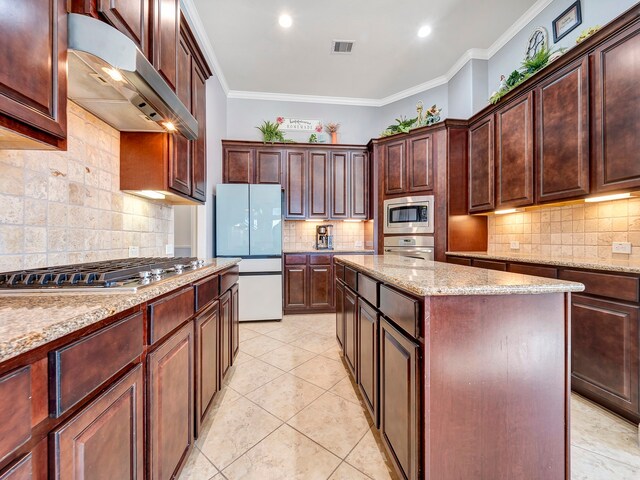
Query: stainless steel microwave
409,215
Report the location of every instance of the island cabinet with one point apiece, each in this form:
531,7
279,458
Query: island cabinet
33,86
408,164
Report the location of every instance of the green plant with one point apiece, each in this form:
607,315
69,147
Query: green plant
271,132
313,138
403,125
586,33
537,62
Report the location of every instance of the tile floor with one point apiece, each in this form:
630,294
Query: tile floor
290,411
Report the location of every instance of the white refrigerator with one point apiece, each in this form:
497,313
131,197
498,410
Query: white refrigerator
249,225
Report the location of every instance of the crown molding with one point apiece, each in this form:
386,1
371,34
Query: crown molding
471,54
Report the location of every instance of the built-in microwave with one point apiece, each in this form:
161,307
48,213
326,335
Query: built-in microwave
409,215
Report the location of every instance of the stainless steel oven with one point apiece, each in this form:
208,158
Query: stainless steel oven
421,247
409,215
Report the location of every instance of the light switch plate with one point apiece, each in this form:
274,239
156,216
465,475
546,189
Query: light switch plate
358,244
621,247
515,245
134,251
168,249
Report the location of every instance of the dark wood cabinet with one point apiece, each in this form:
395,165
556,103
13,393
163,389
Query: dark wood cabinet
296,186
23,469
400,399
199,146
368,325
351,330
107,435
481,165
170,404
166,35
15,410
130,17
33,74
604,351
183,74
318,184
395,167
420,163
340,313
340,180
562,129
616,111
268,167
225,333
295,290
179,163
237,164
320,287
235,322
514,153
359,184
207,333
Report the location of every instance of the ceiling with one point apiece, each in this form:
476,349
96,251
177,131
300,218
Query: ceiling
255,54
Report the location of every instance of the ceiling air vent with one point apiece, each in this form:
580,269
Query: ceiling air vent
341,46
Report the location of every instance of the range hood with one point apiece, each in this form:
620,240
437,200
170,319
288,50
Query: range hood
110,77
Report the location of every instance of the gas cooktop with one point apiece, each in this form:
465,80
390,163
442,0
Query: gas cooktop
124,275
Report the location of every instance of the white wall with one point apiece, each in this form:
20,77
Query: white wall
407,107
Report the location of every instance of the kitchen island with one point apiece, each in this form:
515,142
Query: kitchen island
465,372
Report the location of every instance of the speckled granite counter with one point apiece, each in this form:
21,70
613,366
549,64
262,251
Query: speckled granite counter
334,251
424,278
625,266
33,319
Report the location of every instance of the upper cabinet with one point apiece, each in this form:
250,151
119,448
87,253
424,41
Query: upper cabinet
318,184
166,39
395,167
408,164
33,74
295,188
616,111
481,165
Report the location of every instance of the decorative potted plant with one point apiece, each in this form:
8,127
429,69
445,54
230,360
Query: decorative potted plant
332,128
271,132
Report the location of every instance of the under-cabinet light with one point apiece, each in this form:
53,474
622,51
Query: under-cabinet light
508,210
352,220
113,73
606,198
169,126
314,220
152,194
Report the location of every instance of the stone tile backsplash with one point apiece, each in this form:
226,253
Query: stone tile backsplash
581,231
302,235
67,207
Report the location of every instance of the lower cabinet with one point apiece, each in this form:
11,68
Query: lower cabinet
235,321
351,331
368,356
320,287
170,403
399,399
225,333
340,313
105,439
207,360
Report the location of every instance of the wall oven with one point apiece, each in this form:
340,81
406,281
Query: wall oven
409,215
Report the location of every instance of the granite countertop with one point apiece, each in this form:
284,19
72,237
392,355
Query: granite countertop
625,266
426,278
335,250
30,320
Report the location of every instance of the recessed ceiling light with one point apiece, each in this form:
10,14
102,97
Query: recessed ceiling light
285,20
424,31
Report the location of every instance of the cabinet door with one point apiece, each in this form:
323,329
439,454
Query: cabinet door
235,322
269,166
368,357
320,287
33,68
563,134
339,184
180,164
395,168
225,333
21,470
318,184
207,360
237,165
604,351
170,403
166,34
105,439
351,331
514,153
296,191
420,160
616,121
183,74
481,166
199,146
340,314
295,281
130,17
359,183
399,399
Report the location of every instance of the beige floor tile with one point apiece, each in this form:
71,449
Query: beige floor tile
347,472
285,396
334,353
304,322
284,455
368,458
262,327
198,467
247,334
333,422
345,389
316,342
288,334
251,375
321,371
242,357
235,430
287,357
260,345
586,465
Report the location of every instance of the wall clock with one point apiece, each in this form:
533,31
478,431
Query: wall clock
538,40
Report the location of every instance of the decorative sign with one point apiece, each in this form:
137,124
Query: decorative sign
299,125
567,21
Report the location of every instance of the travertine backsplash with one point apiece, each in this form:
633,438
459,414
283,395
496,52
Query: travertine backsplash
300,235
580,231
67,207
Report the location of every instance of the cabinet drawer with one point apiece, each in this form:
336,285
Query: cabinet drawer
169,313
403,310
76,371
206,291
228,278
320,259
295,259
351,278
490,265
339,269
368,289
15,410
535,270
459,261
605,284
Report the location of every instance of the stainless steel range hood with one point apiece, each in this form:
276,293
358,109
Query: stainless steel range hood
112,79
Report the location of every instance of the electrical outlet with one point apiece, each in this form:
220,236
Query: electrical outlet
358,244
621,247
134,251
168,249
515,245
